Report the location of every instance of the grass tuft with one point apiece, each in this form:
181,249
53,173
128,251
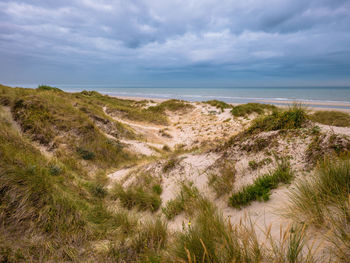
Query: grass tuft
260,189
223,183
138,197
218,104
184,201
323,201
48,88
245,109
293,118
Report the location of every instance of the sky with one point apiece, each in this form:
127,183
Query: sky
176,42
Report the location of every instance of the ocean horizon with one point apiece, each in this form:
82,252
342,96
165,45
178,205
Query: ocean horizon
275,95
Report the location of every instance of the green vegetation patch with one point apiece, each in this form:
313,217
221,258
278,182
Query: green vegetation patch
211,238
293,118
218,104
143,194
137,197
245,109
260,189
333,118
54,118
185,201
45,87
171,105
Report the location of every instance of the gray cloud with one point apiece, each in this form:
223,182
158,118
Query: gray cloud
124,40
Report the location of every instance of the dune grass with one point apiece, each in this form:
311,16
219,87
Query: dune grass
132,110
210,238
50,212
143,194
35,201
219,104
53,118
223,183
292,118
333,118
137,197
147,244
135,110
171,105
323,201
260,189
46,87
185,201
244,110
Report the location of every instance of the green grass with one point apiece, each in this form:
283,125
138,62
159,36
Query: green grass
185,201
45,87
246,109
292,118
136,110
34,200
50,209
218,104
171,105
55,118
138,197
130,109
333,118
323,201
146,245
260,189
211,238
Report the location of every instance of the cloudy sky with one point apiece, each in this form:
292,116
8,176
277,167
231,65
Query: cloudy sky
176,42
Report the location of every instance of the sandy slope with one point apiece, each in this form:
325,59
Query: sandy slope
206,125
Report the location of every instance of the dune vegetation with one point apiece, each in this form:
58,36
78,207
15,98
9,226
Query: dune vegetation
86,177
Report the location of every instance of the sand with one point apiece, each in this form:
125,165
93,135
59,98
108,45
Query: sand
206,127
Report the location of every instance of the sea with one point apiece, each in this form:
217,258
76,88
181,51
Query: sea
337,97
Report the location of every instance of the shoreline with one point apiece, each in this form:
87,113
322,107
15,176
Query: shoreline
313,106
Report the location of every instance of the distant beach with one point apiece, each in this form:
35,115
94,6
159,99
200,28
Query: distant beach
313,97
